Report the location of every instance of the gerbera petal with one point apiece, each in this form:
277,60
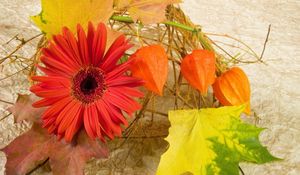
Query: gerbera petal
117,116
52,93
51,129
72,44
104,125
87,124
118,70
55,52
44,86
62,43
98,126
64,113
99,44
83,45
57,65
61,56
116,44
91,112
117,95
69,118
123,103
50,85
52,79
114,57
127,91
90,38
105,120
56,108
125,81
74,127
46,102
48,122
47,71
59,72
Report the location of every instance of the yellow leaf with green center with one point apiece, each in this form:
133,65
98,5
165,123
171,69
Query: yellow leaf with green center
56,14
211,142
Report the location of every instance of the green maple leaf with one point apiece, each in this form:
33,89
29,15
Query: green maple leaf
211,142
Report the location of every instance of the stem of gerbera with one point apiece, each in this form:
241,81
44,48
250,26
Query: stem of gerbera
203,40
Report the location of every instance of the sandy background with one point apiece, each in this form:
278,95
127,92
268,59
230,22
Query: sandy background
275,87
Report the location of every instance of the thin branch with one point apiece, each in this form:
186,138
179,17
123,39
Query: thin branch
138,116
11,103
143,137
265,43
157,112
23,42
5,116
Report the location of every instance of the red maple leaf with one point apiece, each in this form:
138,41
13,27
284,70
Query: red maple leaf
23,110
35,146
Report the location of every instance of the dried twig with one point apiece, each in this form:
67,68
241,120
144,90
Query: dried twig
5,116
265,43
23,42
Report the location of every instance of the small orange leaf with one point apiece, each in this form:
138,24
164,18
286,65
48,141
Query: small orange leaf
233,88
150,64
147,11
198,68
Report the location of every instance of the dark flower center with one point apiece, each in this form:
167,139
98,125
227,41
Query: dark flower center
88,85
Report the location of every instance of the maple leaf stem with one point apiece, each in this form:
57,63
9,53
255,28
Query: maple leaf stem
205,42
241,170
37,167
7,102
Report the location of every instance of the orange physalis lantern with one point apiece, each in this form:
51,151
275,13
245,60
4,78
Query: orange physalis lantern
150,63
198,68
233,88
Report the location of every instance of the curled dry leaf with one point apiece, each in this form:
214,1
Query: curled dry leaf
23,110
233,88
147,11
150,63
56,14
36,146
198,68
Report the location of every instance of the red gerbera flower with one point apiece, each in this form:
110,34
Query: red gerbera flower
84,86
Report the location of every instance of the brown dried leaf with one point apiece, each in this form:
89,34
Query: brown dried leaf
35,146
70,159
147,11
23,110
27,151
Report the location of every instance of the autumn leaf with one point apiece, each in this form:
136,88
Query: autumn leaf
69,159
27,151
23,110
147,11
36,145
56,14
150,63
211,142
198,68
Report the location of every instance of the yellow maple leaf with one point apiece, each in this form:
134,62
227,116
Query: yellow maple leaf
56,14
211,142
